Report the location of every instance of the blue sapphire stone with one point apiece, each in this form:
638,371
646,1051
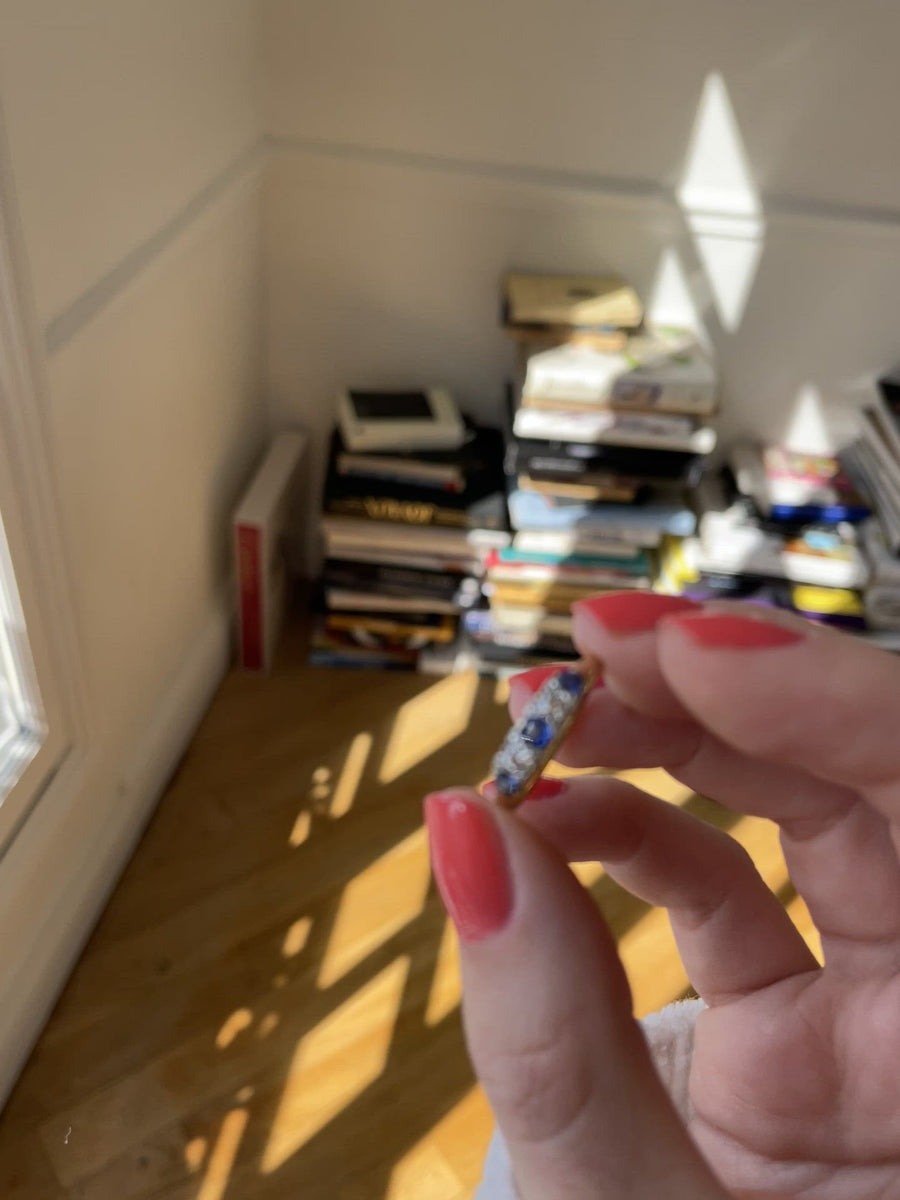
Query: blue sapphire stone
506,783
537,732
571,682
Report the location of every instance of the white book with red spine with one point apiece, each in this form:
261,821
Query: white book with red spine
264,523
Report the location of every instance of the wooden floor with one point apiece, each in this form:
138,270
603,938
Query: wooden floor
269,1005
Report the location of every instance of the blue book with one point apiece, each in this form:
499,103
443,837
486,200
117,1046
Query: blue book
636,564
532,510
820,514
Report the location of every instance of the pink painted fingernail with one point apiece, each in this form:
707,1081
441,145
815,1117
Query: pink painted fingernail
546,789
470,864
623,613
728,631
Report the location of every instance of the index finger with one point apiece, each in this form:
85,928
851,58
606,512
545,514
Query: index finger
796,724
787,691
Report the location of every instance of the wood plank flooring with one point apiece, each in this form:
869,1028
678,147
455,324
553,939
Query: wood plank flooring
269,1006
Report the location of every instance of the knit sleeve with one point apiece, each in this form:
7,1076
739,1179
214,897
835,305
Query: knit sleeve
670,1036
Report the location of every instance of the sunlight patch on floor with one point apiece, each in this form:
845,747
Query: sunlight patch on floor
300,831
799,914
296,937
335,1062
195,1153
221,1161
587,873
351,773
460,1137
658,783
268,1024
761,840
240,1019
427,723
375,904
446,990
650,940
423,1174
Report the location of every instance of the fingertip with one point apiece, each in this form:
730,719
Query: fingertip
748,629
470,862
622,614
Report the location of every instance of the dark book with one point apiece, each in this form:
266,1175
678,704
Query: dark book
889,388
476,469
480,504
367,628
465,654
573,461
488,512
431,470
342,648
385,580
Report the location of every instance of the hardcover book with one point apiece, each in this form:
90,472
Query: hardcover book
530,510
664,372
658,431
398,581
572,460
479,504
577,302
797,488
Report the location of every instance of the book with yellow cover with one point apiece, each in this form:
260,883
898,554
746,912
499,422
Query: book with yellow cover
602,302
552,595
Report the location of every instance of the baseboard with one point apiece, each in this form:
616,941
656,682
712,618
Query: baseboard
59,872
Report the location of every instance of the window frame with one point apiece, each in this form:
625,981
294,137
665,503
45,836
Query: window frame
30,519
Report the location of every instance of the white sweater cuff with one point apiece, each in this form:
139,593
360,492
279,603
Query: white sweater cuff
670,1036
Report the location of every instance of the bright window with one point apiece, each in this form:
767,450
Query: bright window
22,724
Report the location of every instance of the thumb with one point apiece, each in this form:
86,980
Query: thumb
548,1019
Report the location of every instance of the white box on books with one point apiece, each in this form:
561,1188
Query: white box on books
264,520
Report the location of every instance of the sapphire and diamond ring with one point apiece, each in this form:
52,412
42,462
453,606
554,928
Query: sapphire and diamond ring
539,731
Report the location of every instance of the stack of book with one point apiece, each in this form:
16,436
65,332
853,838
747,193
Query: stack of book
405,535
609,426
873,461
778,528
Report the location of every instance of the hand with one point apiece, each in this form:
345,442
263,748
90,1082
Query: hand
795,1082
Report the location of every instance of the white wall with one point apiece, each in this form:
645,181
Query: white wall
420,149
591,86
416,150
134,134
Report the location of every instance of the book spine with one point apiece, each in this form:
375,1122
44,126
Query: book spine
248,540
688,399
562,578
391,581
402,512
